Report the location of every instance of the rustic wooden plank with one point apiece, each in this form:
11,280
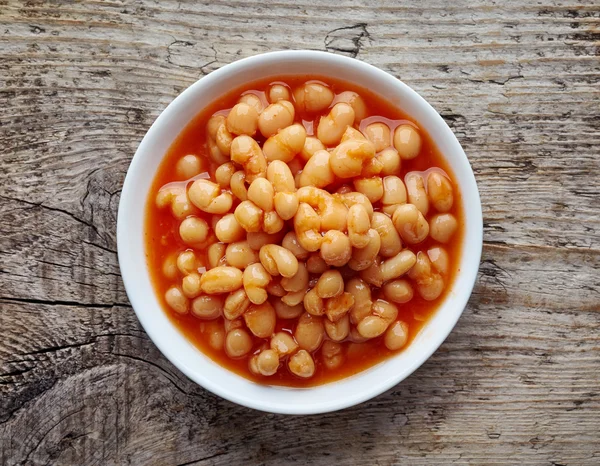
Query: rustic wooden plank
515,383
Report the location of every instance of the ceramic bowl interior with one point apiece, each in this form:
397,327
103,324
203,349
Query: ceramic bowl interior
130,236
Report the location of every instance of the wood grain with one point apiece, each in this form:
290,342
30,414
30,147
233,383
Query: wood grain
517,381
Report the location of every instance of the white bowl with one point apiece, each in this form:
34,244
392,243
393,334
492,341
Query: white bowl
190,360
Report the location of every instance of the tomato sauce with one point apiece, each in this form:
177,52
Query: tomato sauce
162,235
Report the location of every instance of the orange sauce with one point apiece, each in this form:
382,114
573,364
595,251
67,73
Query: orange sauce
162,237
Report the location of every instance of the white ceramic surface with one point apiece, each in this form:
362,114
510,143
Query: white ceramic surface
182,353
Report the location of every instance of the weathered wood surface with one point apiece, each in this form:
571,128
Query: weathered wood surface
517,382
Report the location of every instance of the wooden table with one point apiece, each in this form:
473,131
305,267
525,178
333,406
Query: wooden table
517,381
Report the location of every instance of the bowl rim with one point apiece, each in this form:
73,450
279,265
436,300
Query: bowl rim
128,270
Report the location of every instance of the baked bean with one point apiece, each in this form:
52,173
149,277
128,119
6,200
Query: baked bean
283,343
207,307
169,268
261,193
390,240
407,142
363,258
275,117
274,287
439,190
215,333
240,255
332,353
356,102
335,248
242,119
219,139
307,225
286,205
313,97
253,364
228,229
290,242
238,343
267,362
280,176
398,291
214,152
223,174
285,144
236,304
187,262
371,187
249,216
278,260
272,222
313,303
221,280
439,259
390,161
253,101
246,152
352,198
398,265
352,134
356,338
396,336
387,311
207,196
344,189
415,189
361,292
230,325
442,227
315,264
188,166
177,199
285,311
371,327
223,139
348,158
332,126
260,319
237,185
379,134
298,282
371,167
255,280
338,330
293,298
330,284
309,332
257,240
279,92
311,146
176,300
394,194
193,230
410,223
358,226
302,364
338,306
372,274
317,171
429,283
216,255
190,285
334,215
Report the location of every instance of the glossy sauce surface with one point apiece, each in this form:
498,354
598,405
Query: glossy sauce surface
162,236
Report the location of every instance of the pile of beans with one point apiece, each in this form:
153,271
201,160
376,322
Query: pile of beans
297,212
